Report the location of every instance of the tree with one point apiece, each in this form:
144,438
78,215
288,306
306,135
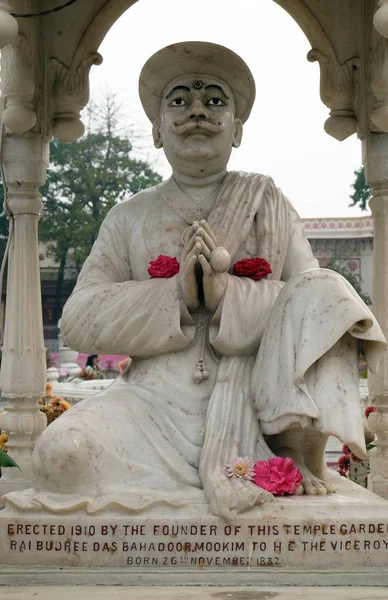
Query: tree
361,194
340,265
84,181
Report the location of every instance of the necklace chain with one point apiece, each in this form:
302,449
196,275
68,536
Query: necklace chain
188,214
193,198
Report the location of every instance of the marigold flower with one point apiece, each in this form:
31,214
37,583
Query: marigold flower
3,440
53,406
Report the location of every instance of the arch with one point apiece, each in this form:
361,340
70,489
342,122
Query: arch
338,80
99,26
310,25
337,87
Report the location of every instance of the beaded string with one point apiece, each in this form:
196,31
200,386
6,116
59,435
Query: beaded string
201,373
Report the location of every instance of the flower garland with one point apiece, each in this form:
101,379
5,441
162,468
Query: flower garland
277,475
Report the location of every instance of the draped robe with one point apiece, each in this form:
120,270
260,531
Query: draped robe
280,352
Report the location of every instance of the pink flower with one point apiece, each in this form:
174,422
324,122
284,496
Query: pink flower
241,467
163,267
277,475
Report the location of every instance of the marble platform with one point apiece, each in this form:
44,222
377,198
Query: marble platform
340,539
192,593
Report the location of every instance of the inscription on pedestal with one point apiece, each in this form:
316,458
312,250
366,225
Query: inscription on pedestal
178,543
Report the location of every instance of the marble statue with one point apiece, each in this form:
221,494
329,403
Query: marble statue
222,365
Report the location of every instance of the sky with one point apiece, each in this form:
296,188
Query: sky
284,136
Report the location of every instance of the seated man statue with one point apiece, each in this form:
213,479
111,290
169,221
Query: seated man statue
258,358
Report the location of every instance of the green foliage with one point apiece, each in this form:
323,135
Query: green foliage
339,264
7,461
84,181
3,224
361,194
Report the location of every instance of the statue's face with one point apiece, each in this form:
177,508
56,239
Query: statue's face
197,126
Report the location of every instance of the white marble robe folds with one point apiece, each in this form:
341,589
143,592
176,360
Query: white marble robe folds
280,351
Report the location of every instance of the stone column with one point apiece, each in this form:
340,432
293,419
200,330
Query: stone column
375,158
23,368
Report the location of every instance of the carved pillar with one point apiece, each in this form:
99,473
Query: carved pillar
70,95
18,86
23,368
375,157
337,89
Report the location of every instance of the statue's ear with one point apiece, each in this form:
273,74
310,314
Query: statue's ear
238,131
156,135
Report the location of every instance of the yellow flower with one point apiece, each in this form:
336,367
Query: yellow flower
3,440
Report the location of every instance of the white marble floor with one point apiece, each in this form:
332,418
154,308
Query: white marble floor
192,593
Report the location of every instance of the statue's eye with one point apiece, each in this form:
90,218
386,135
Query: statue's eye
215,102
178,102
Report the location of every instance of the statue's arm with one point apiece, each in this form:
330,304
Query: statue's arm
108,312
239,323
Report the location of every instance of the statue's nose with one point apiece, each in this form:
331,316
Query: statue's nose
198,112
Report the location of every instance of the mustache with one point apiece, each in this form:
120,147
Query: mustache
190,126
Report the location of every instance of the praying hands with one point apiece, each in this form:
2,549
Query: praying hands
202,249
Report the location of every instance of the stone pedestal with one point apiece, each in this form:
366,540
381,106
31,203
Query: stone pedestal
345,534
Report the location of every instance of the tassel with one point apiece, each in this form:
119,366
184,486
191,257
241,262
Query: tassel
201,372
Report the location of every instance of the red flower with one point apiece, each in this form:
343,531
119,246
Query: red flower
344,465
163,266
346,449
254,268
277,475
369,410
355,458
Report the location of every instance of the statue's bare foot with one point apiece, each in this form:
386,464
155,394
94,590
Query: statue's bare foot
312,485
230,496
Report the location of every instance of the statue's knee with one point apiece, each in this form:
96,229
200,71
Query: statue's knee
61,458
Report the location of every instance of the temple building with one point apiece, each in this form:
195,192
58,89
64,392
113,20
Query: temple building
348,241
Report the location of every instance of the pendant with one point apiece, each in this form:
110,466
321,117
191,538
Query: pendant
201,372
197,214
